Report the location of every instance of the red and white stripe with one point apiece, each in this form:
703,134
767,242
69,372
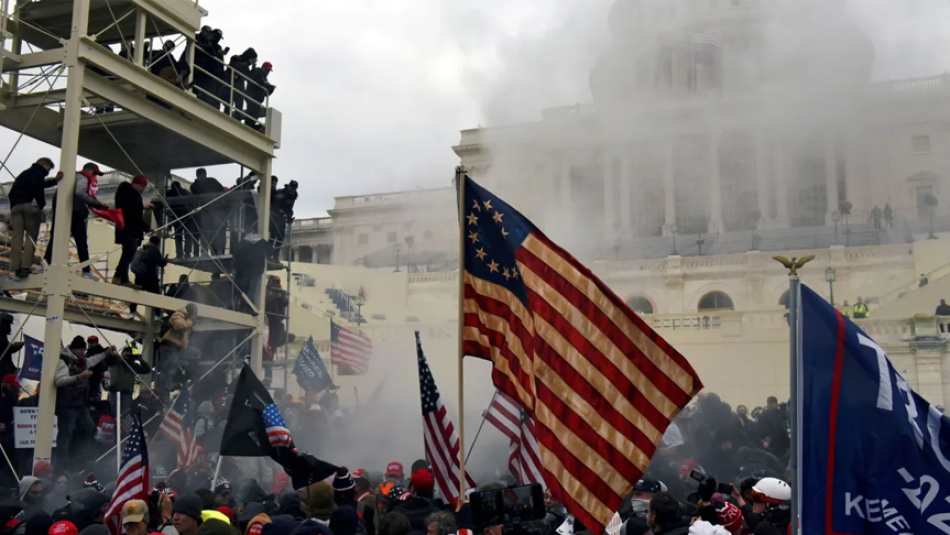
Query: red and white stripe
524,456
352,350
183,438
442,451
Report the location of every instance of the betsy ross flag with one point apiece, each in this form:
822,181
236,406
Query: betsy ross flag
524,458
600,385
441,440
349,350
179,428
133,481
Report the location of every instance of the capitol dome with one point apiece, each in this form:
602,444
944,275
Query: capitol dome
764,46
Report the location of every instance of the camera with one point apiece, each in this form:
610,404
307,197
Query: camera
518,510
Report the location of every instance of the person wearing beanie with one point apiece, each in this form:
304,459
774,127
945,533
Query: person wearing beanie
222,493
727,514
187,514
75,423
344,488
92,482
42,469
420,505
317,502
128,199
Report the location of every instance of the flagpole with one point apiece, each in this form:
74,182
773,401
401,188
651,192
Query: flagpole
118,432
217,470
795,386
460,184
480,426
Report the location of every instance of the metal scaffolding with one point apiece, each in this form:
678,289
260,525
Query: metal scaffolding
153,125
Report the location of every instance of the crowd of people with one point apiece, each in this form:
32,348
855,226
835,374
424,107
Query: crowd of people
718,471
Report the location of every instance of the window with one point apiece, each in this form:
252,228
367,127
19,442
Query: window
716,301
640,305
391,237
920,144
363,239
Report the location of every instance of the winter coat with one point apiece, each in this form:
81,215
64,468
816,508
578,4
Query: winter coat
258,91
98,372
417,509
85,506
71,390
206,185
122,373
176,190
129,200
84,194
30,186
152,261
179,329
250,258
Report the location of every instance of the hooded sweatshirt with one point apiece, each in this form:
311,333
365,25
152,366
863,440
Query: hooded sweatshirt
29,506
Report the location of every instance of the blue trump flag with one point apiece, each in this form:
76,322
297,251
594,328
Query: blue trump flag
310,370
875,455
32,367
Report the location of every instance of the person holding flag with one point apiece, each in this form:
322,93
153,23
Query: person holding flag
255,428
133,480
179,428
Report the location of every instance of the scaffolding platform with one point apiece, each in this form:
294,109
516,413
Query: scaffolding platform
64,85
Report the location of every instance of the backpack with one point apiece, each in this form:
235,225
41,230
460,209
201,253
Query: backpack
138,266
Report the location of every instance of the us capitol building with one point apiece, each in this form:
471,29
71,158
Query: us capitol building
721,133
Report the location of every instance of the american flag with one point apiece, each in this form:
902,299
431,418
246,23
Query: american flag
277,433
441,440
349,349
133,480
708,37
600,385
524,457
179,428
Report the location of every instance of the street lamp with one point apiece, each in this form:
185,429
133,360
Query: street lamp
836,216
673,232
830,276
396,250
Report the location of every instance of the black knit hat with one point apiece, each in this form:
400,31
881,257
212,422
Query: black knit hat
189,505
343,482
78,343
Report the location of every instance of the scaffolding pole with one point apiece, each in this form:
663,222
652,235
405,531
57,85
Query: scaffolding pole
57,284
257,346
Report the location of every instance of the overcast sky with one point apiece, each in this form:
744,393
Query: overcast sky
375,92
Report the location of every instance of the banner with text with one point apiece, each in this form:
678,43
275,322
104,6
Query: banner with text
32,359
873,451
310,370
24,426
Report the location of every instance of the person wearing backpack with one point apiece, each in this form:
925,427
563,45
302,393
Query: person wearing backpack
145,266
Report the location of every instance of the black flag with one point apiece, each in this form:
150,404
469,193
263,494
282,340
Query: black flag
310,370
256,429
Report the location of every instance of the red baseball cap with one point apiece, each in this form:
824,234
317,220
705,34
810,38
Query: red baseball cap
63,527
93,168
140,180
267,66
394,469
423,481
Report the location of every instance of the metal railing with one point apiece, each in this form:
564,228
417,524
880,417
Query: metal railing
231,88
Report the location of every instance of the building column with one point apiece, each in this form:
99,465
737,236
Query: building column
782,175
762,174
669,192
610,180
831,179
626,182
715,185
564,186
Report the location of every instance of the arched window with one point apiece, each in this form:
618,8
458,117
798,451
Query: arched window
783,301
640,305
716,301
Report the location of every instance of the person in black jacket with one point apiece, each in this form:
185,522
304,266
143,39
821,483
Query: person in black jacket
258,89
186,231
213,217
418,508
241,64
27,199
128,198
250,260
147,269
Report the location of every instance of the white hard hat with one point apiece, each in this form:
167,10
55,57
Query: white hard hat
773,491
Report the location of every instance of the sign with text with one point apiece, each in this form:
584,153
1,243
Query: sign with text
24,426
32,359
310,370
